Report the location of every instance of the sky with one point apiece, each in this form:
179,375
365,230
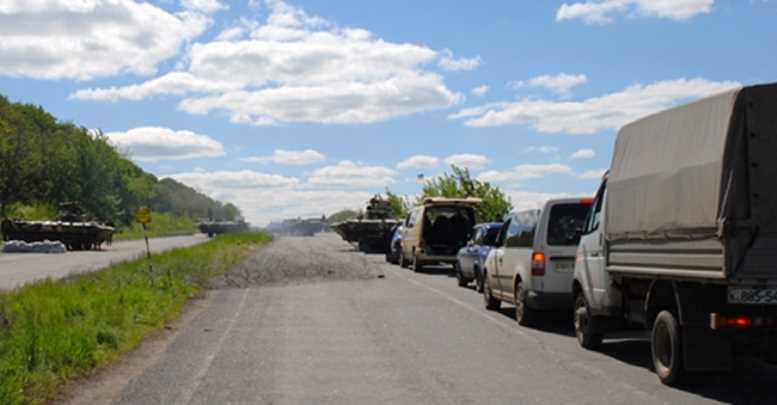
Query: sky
302,108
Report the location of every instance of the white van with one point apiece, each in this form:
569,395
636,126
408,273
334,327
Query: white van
534,260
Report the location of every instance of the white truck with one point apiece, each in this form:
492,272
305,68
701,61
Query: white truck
682,236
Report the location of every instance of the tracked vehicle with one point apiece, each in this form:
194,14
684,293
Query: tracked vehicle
71,227
371,231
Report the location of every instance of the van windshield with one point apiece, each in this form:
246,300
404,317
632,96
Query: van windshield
448,225
566,223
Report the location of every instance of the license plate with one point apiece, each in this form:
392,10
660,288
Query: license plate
565,267
752,295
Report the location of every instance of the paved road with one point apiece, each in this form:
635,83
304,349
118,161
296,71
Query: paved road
17,269
326,328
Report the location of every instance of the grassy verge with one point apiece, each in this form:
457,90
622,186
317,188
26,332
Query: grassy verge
52,332
162,225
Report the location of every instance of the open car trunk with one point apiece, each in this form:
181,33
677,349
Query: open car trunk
447,229
696,176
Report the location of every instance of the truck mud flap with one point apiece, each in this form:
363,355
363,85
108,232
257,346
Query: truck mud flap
705,350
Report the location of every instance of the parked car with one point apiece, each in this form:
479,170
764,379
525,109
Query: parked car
533,263
395,244
470,258
436,230
682,237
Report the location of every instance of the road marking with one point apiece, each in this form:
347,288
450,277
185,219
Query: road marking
186,396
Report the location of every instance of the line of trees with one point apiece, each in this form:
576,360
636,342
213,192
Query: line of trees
45,161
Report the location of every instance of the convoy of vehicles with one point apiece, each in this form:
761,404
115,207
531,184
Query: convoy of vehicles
435,231
534,258
680,239
470,259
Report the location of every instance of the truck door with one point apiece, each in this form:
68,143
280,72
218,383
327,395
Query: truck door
594,275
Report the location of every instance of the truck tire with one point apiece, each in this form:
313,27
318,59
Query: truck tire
491,303
523,314
666,349
586,335
460,279
418,266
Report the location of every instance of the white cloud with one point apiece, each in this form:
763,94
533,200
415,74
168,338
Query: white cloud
154,143
290,157
419,162
609,111
545,149
480,91
561,84
352,174
219,181
600,12
83,40
524,172
263,206
468,160
296,68
583,154
449,62
204,6
593,174
532,200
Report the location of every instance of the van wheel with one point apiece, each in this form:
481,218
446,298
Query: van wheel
418,266
403,263
666,349
460,279
491,302
586,335
523,314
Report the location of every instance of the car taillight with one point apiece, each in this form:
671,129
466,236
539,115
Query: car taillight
719,321
586,201
421,244
538,264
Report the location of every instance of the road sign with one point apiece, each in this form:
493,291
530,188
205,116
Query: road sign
143,216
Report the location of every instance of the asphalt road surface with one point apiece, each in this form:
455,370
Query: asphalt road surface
17,269
310,321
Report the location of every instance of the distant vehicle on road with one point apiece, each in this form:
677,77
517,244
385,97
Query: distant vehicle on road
395,245
470,259
212,228
372,231
436,230
75,229
682,237
533,262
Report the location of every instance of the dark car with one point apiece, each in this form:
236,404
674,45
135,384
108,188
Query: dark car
471,257
395,244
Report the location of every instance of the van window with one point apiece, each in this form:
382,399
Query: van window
490,236
594,215
520,232
477,233
565,223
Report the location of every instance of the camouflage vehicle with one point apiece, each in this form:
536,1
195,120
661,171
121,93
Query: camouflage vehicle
299,227
371,231
72,228
212,228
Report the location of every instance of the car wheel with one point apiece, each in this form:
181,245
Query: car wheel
491,302
417,264
460,279
586,335
523,314
403,263
666,349
478,280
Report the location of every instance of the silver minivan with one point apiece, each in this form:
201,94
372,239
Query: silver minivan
533,263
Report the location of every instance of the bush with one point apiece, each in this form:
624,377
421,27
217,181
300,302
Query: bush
55,331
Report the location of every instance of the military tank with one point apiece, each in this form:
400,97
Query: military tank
71,227
370,231
212,228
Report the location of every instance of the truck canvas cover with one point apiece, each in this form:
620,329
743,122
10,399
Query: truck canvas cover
701,171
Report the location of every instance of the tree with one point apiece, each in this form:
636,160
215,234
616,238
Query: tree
461,184
341,216
400,206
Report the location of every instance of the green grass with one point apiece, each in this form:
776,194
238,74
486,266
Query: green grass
55,331
162,225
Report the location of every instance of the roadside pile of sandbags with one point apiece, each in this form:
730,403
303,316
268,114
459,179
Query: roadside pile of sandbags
18,246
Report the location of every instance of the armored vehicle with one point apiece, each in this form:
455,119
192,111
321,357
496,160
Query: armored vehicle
212,228
71,227
371,231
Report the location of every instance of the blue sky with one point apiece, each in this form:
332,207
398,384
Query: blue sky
302,108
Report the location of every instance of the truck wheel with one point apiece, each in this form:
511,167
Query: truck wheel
586,335
402,260
666,349
523,314
491,302
460,279
417,264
